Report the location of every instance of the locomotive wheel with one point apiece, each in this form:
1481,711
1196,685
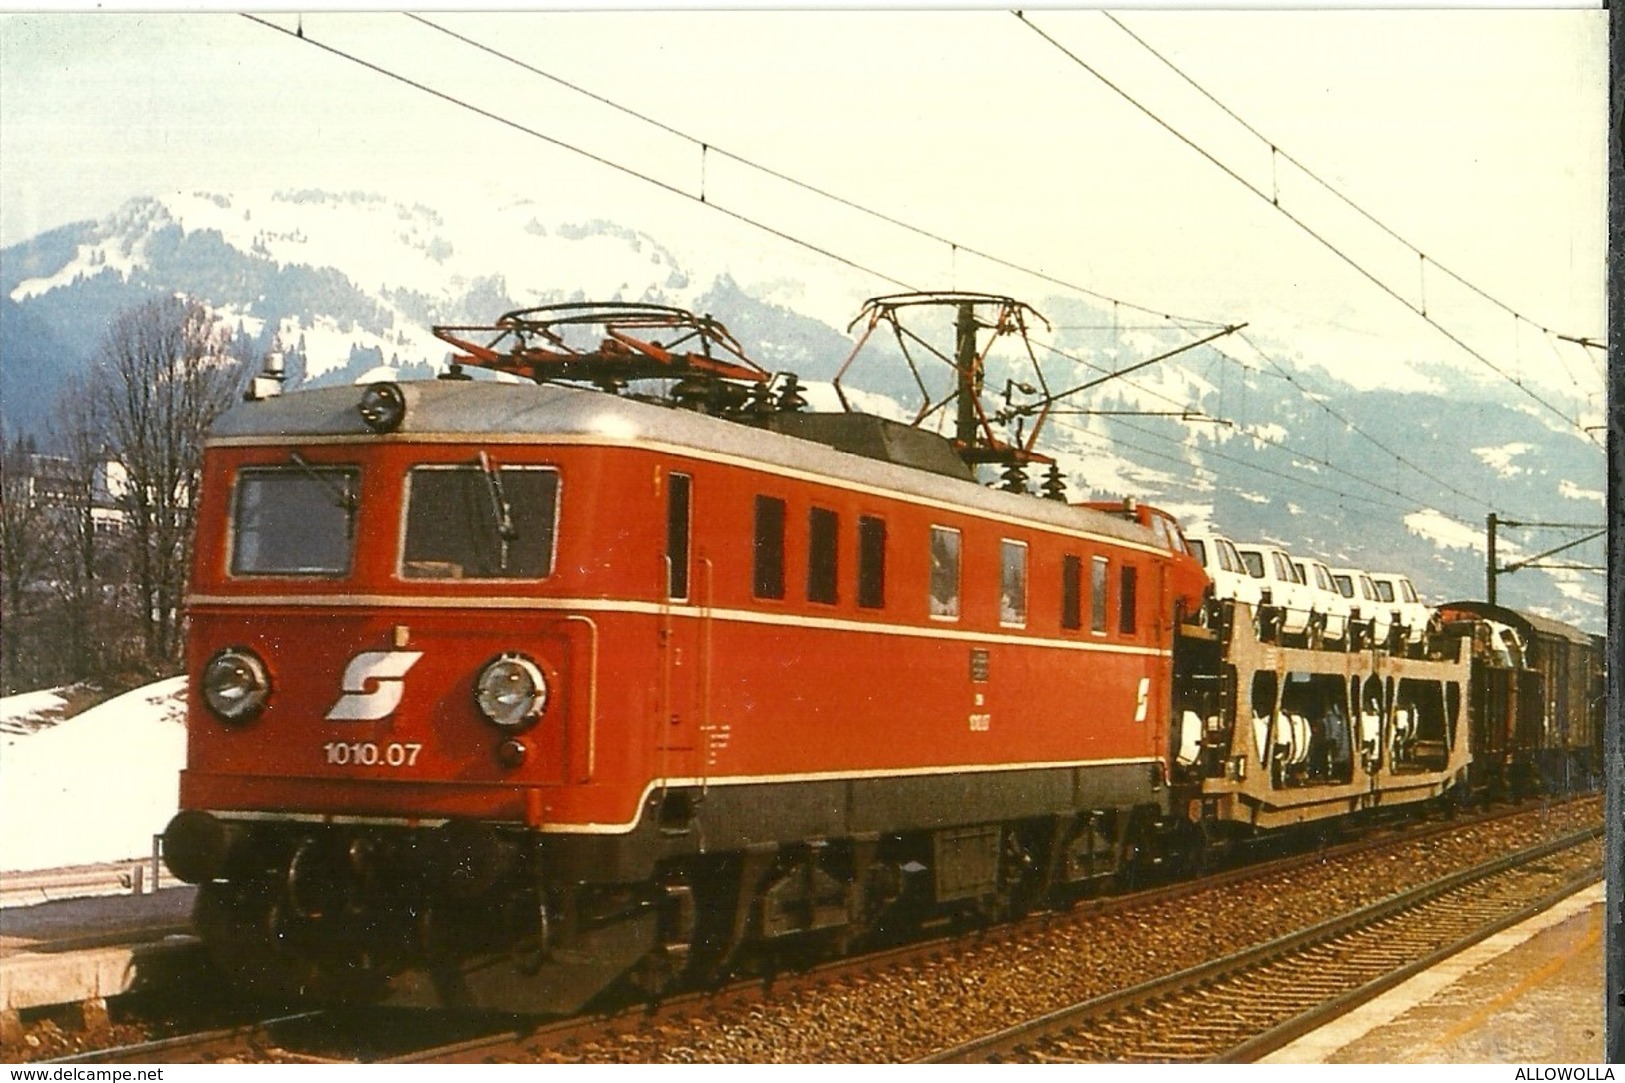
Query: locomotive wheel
241,928
1023,882
1144,853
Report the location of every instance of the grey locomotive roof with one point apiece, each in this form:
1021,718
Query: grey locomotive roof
507,410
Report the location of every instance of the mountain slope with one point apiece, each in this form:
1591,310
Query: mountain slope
1267,448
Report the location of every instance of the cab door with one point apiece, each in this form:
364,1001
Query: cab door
684,641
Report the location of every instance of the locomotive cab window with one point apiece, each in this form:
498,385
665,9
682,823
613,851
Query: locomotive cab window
480,521
294,520
944,573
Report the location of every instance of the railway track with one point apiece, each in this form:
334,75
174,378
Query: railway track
739,1022
340,1036
1245,1005
241,1044
901,1004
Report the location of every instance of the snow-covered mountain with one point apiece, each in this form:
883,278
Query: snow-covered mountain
356,271
1273,446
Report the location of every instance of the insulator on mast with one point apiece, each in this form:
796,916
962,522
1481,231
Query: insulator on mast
1054,487
791,400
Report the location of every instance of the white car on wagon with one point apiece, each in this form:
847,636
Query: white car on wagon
1331,608
1412,616
1231,582
1369,618
1286,605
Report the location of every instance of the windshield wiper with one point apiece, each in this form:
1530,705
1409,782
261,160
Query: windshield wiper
506,532
341,495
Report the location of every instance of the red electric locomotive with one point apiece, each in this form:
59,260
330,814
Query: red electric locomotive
502,693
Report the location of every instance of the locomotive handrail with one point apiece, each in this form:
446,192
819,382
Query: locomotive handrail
592,693
707,655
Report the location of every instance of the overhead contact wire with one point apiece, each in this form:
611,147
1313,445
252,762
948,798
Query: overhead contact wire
1295,220
1276,151
1345,420
564,145
827,253
778,175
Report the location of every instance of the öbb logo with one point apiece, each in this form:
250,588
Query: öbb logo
383,671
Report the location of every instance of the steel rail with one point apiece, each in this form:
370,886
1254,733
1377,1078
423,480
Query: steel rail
1211,976
607,1026
245,1037
185,1048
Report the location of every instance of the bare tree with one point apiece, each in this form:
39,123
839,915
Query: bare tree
85,539
166,370
24,552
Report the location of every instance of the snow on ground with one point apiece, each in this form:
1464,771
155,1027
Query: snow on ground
28,711
95,787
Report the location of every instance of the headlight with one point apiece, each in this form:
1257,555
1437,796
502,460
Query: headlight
382,407
235,685
511,692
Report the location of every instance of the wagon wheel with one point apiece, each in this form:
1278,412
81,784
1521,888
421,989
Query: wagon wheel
1271,620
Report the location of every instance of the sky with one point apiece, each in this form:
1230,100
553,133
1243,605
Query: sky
1478,136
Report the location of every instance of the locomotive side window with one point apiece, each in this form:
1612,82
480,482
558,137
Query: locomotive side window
1071,593
823,532
1097,595
1013,583
294,520
871,562
1126,600
945,573
769,577
679,489
480,522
